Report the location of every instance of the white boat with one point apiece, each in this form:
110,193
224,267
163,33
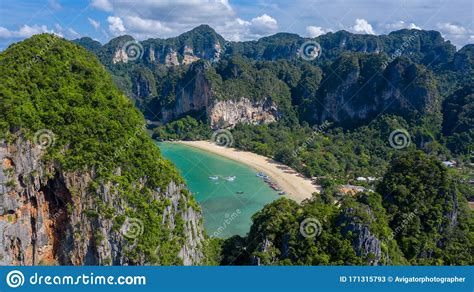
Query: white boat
214,177
229,178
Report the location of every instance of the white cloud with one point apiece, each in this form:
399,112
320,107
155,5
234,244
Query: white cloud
71,33
168,18
315,31
116,26
241,30
26,31
54,5
94,23
58,27
457,34
235,30
104,5
144,28
362,26
263,25
5,33
401,25
452,29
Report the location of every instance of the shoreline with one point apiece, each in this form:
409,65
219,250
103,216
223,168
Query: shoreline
296,186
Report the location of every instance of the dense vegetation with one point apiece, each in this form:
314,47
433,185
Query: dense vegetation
49,83
336,117
337,112
417,216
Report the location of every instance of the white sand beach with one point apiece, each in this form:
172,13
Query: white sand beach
294,184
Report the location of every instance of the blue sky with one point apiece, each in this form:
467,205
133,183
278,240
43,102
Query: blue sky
235,20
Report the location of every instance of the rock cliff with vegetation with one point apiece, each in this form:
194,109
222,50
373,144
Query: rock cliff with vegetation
81,181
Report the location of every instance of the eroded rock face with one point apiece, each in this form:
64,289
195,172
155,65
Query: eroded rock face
193,95
352,98
43,215
171,59
189,56
198,95
365,243
120,56
226,114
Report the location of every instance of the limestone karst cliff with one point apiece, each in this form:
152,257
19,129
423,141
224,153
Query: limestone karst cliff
355,77
81,183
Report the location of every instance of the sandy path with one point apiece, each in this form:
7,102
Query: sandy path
295,185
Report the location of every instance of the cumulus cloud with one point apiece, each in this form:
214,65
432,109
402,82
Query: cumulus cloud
401,25
263,25
94,23
168,18
104,5
456,33
362,26
116,25
143,28
25,31
5,33
315,31
452,29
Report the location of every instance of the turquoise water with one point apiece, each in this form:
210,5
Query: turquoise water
226,212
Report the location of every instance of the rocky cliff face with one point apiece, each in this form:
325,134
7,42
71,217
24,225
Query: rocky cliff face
193,93
84,185
365,244
196,94
365,89
226,114
47,215
200,43
363,75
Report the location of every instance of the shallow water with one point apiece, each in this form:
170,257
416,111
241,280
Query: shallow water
226,212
